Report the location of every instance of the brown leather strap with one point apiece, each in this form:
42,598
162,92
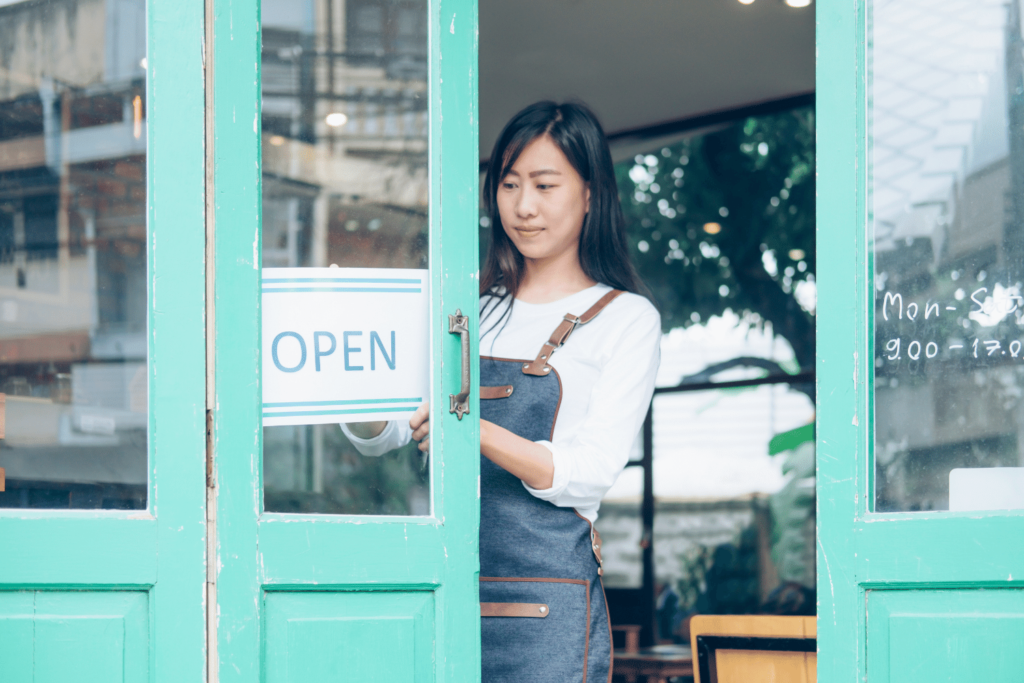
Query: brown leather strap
539,367
513,609
496,392
595,539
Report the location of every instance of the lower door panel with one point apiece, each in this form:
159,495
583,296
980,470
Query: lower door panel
335,636
928,636
81,636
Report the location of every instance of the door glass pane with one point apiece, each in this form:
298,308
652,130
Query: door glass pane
73,300
946,208
345,183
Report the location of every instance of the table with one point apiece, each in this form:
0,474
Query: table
656,664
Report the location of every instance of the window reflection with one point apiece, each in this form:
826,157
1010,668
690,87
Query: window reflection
73,301
947,206
345,182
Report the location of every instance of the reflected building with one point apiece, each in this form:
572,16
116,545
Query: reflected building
947,210
345,134
345,182
73,253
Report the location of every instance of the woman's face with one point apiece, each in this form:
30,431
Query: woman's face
542,202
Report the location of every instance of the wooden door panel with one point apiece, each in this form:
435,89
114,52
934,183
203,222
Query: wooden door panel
890,545
86,637
304,593
945,635
321,637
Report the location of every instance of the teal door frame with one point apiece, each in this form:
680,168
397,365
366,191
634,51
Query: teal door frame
262,554
897,557
145,566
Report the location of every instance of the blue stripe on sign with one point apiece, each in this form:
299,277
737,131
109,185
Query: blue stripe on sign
310,413
374,401
376,280
270,290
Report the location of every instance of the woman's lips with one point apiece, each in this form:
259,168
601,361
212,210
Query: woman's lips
528,231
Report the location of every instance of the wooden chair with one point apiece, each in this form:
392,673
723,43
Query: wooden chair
754,649
631,634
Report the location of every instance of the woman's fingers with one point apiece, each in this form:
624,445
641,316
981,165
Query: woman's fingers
419,434
420,416
420,424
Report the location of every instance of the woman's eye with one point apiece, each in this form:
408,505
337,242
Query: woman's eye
508,186
544,187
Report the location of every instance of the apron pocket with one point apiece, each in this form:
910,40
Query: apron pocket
551,649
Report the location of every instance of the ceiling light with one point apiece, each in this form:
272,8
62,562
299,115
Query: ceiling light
336,119
712,228
746,2
143,62
798,3
276,140
797,254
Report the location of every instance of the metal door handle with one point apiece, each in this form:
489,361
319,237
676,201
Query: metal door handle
459,324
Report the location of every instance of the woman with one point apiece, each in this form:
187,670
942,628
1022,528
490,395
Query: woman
557,422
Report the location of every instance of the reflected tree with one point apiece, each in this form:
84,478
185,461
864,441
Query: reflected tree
725,220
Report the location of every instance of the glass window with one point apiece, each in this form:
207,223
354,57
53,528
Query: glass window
345,183
73,305
946,212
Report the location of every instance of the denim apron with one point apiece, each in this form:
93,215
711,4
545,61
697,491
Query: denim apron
543,613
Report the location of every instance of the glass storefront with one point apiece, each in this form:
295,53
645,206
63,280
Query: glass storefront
73,311
345,183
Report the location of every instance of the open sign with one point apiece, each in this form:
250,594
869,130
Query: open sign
344,344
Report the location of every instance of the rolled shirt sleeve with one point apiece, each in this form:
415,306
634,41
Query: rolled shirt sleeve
589,461
396,434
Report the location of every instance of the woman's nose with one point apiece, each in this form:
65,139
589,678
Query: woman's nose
526,207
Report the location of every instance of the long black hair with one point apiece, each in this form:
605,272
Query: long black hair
603,251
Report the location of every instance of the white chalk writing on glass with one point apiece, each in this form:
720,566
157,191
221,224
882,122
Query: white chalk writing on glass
987,308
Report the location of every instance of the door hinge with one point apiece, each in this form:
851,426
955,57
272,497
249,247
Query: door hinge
209,449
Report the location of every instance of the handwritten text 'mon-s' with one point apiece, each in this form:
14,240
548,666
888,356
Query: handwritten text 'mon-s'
987,310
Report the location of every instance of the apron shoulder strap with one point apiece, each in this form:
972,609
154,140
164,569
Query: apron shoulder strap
539,367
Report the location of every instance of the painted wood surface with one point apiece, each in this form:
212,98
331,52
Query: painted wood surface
237,433
350,636
177,339
919,636
154,632
88,637
277,569
869,563
117,595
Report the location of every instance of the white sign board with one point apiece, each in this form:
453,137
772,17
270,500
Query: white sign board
344,344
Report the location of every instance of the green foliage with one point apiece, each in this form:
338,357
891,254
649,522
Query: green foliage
725,220
793,517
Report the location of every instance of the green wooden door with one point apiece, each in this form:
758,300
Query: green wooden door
102,514
920,187
344,133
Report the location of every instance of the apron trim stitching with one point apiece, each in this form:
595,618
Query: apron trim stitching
611,641
538,579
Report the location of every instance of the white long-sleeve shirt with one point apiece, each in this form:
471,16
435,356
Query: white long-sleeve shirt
607,369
